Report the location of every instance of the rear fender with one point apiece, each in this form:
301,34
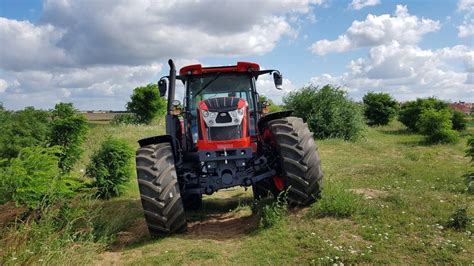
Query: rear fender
164,139
272,116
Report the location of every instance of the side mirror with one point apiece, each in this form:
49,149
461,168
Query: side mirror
162,86
278,79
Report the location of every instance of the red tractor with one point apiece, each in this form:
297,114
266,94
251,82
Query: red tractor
219,137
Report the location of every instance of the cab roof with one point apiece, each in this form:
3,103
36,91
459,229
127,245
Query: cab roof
198,69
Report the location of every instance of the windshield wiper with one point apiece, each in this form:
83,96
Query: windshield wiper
207,84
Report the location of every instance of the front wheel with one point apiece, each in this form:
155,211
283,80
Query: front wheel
298,161
159,190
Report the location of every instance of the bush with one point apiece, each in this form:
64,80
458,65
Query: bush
110,167
411,111
328,112
124,119
459,220
379,108
146,103
336,202
437,126
272,107
34,179
21,129
68,130
470,175
459,120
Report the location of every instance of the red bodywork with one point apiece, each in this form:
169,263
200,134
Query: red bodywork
243,142
198,69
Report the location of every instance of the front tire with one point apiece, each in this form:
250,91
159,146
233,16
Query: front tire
159,190
297,155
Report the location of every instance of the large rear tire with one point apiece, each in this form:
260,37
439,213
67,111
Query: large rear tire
159,190
298,160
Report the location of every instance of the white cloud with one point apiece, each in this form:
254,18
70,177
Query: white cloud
3,85
466,29
94,53
408,71
266,86
379,30
359,4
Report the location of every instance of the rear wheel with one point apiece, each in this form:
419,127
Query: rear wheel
297,159
159,190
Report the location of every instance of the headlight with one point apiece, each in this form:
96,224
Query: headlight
205,113
240,111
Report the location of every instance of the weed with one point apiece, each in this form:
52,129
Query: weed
459,220
272,212
336,202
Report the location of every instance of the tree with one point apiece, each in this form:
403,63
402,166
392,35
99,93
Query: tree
68,130
379,108
459,121
25,128
437,126
146,103
328,111
272,107
411,111
110,167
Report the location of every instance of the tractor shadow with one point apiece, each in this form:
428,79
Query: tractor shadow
222,217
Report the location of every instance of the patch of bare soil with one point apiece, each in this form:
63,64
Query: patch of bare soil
369,193
9,212
137,231
222,226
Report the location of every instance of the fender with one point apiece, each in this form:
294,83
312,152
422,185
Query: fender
272,116
163,139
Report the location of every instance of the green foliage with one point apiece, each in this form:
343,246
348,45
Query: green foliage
328,112
124,119
411,111
34,178
459,220
272,212
459,120
380,108
437,126
272,107
470,175
68,130
110,167
21,129
336,202
146,103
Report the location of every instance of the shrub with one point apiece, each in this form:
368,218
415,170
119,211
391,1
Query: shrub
436,125
459,220
34,178
459,120
470,175
110,167
124,119
336,202
21,129
328,112
146,103
68,130
379,108
411,111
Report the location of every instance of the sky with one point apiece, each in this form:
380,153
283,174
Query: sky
93,53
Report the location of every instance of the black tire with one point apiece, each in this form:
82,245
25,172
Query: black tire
299,161
192,202
159,190
264,189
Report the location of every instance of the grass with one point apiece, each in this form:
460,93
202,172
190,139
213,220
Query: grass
388,198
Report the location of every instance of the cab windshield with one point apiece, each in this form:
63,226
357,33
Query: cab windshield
220,85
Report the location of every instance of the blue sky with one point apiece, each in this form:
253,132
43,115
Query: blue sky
93,53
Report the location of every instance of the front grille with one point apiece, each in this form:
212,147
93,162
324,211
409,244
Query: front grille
223,117
225,133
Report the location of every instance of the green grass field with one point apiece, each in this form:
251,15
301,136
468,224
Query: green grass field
387,198
408,190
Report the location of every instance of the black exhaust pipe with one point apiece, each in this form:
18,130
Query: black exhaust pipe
172,86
